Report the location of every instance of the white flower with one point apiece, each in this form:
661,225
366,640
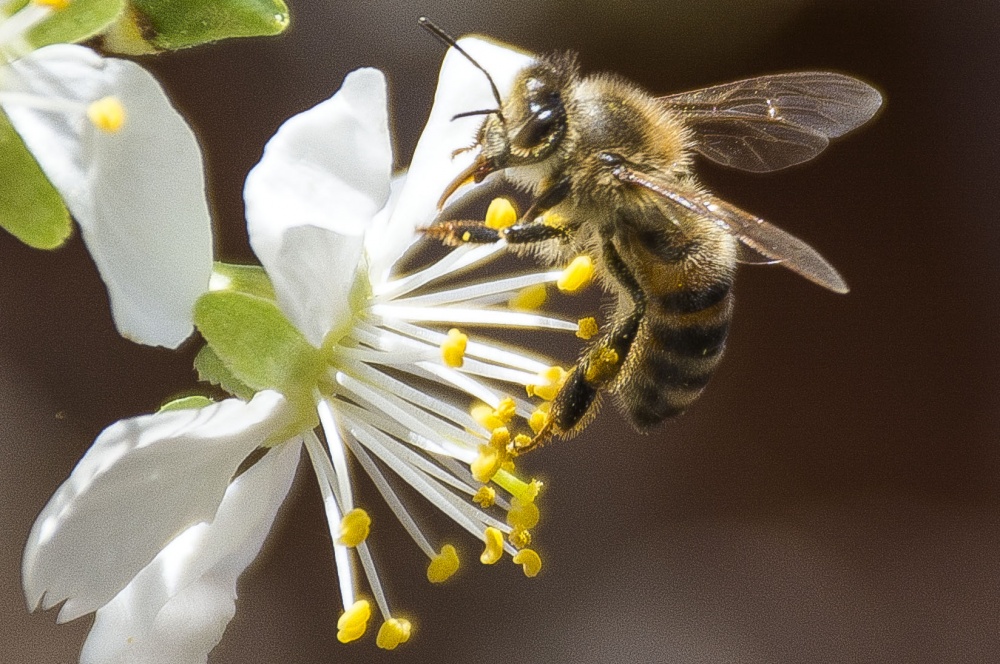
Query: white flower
364,381
128,168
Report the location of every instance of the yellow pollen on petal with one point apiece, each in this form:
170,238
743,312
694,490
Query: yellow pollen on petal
453,348
53,4
393,632
494,546
577,275
522,514
529,561
540,417
519,538
354,621
486,497
500,214
530,298
586,327
486,465
354,527
443,565
602,366
107,114
549,383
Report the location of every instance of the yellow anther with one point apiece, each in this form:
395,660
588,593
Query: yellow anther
494,546
540,417
577,275
602,366
505,410
53,4
486,465
485,497
500,214
521,441
393,632
500,439
586,327
354,527
354,621
519,538
507,465
522,514
490,418
443,565
107,114
530,298
549,383
453,348
529,561
553,219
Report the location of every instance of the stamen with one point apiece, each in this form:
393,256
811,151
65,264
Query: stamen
526,492
530,298
549,383
453,348
107,114
522,515
494,546
454,262
500,214
393,632
486,465
443,565
480,291
586,327
540,417
577,275
354,527
519,538
354,621
486,497
529,561
463,316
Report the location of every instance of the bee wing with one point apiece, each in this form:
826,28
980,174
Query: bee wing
771,122
763,238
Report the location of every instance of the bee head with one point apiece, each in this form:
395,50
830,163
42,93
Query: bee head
532,122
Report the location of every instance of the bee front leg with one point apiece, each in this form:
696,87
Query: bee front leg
600,365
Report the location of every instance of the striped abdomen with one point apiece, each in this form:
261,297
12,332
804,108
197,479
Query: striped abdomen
681,339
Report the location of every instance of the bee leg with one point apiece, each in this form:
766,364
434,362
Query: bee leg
454,233
602,362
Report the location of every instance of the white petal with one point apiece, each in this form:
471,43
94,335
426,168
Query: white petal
461,87
138,193
323,177
142,482
175,610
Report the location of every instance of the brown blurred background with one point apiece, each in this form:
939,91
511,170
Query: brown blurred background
832,498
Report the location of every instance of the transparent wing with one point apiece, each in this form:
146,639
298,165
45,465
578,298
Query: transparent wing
763,238
771,122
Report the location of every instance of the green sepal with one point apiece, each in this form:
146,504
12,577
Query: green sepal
258,345
80,20
152,25
249,279
186,403
30,207
213,370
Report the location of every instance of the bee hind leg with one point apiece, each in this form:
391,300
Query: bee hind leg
573,405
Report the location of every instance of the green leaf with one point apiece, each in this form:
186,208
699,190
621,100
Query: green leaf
257,344
213,370
81,19
30,207
187,403
172,24
249,279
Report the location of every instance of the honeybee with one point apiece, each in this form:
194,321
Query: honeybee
613,165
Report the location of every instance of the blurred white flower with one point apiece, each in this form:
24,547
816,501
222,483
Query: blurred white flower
362,378
127,166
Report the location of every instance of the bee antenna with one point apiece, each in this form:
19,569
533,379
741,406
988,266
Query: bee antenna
448,40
